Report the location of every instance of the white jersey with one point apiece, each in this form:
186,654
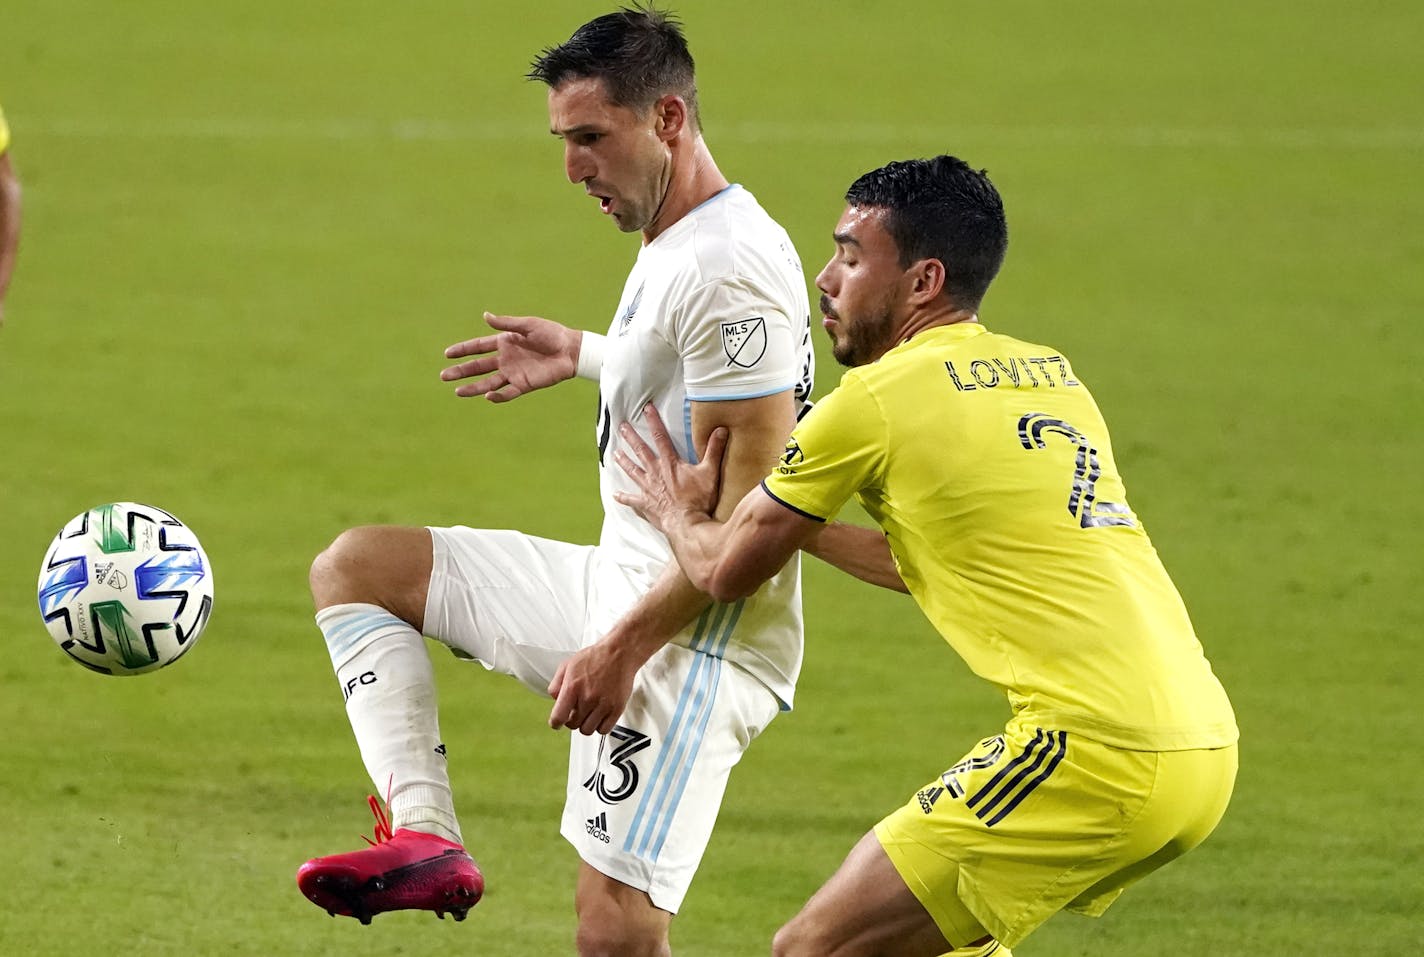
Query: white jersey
714,309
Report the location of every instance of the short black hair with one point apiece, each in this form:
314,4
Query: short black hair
941,209
639,53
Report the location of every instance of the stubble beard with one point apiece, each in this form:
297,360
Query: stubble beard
864,339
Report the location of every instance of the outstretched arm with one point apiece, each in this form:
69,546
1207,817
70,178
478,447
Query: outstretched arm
860,552
526,353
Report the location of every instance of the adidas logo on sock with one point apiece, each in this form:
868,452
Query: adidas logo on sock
598,826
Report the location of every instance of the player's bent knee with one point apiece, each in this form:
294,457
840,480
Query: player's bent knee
378,565
336,570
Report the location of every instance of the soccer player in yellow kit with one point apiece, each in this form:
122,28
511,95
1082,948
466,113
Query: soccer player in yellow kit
987,465
9,214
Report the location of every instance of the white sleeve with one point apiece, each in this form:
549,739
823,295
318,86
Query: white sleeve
736,342
590,357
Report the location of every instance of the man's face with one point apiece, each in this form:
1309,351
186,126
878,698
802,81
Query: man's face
613,151
862,288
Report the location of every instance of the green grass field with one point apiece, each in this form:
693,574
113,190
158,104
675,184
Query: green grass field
251,229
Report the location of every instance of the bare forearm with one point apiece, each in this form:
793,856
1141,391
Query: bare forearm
698,541
730,560
668,607
860,552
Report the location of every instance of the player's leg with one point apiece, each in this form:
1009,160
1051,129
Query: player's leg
369,587
616,920
865,909
643,800
512,602
384,565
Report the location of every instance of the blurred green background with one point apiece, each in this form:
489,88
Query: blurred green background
251,229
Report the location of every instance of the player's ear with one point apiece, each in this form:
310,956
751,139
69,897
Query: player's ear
927,281
670,117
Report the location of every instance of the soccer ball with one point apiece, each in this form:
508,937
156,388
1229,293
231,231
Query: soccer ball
125,589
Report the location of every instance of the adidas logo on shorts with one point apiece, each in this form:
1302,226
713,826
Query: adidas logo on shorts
598,826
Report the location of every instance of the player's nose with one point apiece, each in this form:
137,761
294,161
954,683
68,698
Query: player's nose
576,164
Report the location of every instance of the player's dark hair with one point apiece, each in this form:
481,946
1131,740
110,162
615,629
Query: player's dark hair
639,53
941,209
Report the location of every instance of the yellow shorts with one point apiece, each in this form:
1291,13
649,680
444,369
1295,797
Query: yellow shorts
1034,821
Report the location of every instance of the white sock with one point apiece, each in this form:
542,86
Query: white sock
389,687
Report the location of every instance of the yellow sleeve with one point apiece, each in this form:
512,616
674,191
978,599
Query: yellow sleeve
837,450
4,133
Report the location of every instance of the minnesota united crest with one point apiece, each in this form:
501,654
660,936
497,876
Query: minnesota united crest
626,318
744,342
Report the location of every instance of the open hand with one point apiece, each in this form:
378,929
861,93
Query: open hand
526,353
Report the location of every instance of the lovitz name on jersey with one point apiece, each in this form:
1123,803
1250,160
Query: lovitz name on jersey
1018,372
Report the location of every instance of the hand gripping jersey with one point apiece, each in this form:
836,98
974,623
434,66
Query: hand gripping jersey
714,309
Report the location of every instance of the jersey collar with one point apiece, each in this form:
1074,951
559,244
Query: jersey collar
955,332
687,218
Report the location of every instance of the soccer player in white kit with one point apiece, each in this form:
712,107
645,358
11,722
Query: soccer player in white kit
667,687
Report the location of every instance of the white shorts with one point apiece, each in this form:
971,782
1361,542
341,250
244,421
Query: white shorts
641,802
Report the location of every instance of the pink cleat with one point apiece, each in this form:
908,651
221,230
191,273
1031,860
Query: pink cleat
407,870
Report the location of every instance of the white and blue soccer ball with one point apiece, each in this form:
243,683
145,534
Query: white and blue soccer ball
125,589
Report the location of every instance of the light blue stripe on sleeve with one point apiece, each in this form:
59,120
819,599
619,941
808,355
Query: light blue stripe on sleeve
749,395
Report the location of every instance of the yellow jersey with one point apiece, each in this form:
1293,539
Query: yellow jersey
4,133
987,464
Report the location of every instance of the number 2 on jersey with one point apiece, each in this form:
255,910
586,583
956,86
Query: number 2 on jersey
1083,501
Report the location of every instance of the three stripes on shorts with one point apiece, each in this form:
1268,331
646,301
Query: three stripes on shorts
1017,779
